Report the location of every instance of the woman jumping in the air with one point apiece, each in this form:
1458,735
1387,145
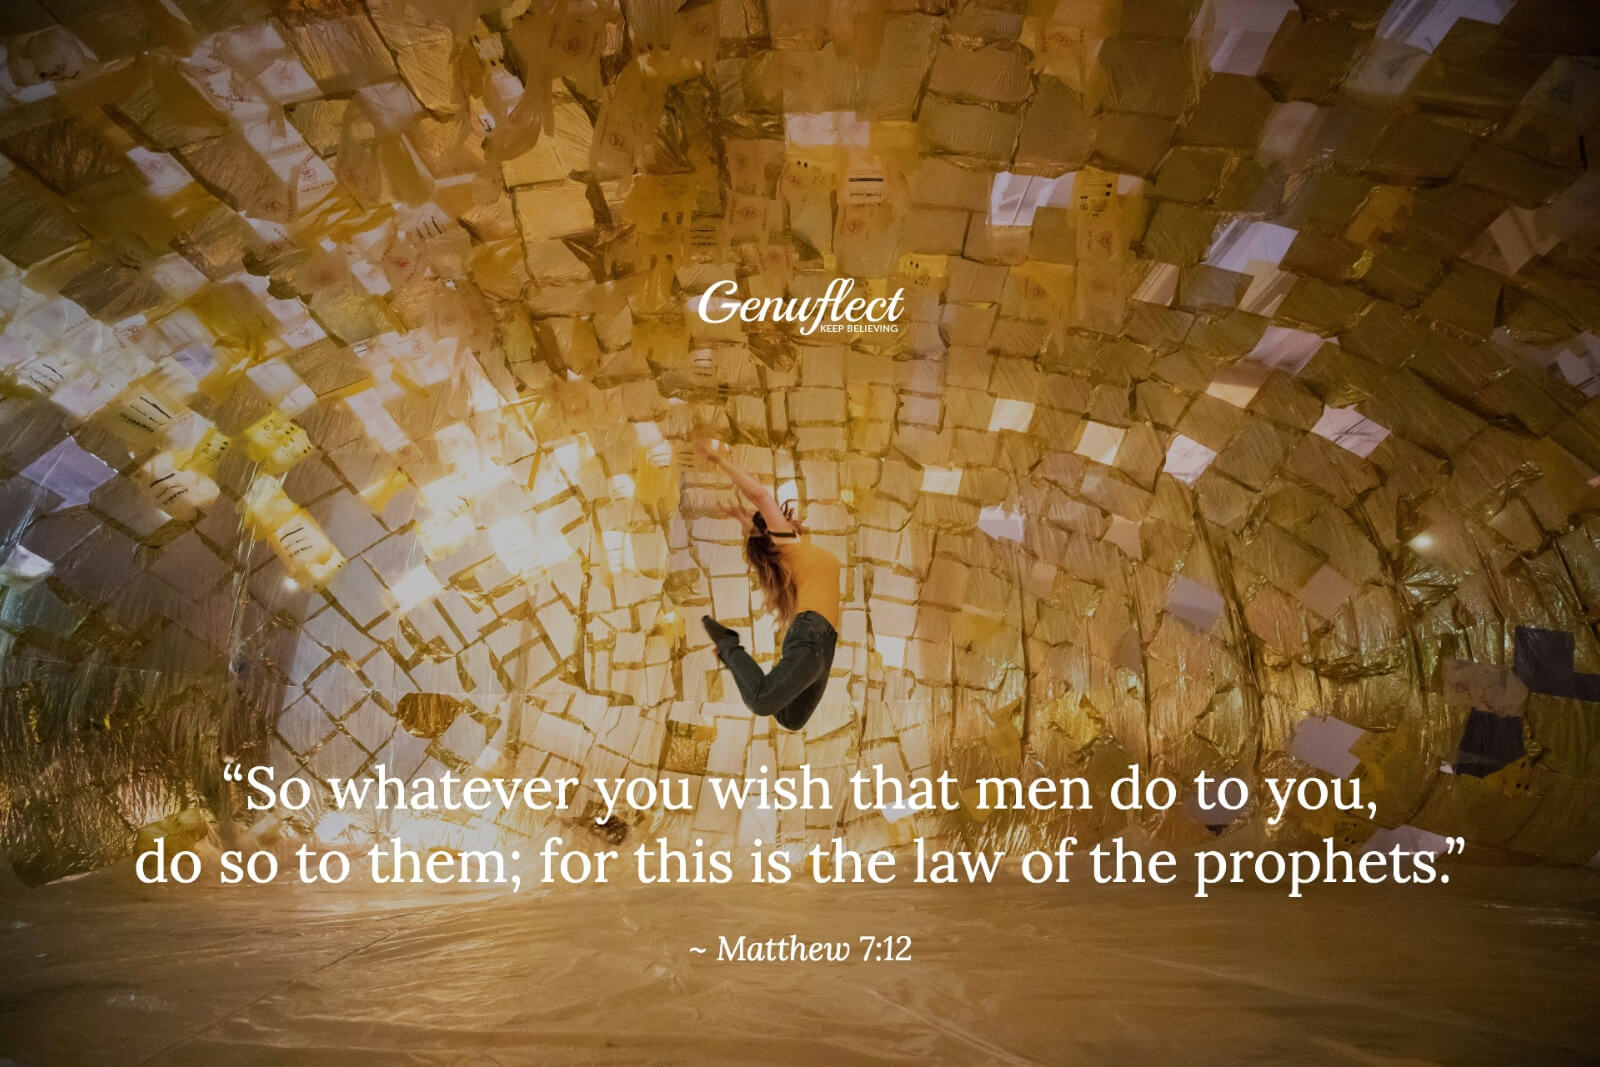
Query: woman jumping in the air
801,584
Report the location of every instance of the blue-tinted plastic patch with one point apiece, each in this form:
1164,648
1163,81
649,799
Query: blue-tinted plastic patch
1488,743
1544,663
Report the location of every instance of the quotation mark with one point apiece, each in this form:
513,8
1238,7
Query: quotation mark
232,772
1453,846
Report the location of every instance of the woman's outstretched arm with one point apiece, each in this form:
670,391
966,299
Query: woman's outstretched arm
750,488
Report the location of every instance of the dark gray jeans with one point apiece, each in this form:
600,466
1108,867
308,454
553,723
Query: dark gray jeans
791,691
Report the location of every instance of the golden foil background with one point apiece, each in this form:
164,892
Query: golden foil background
349,365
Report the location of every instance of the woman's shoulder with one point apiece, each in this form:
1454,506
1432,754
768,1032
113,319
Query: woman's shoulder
801,544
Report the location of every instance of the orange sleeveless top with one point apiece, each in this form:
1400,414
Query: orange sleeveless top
816,575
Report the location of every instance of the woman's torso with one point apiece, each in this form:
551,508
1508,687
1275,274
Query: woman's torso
815,573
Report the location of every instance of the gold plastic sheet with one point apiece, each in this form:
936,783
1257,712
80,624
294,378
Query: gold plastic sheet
58,148
31,227
166,110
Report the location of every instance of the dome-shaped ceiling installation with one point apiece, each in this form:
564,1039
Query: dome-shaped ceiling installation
1240,416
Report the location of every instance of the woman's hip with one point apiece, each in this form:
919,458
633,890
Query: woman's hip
811,628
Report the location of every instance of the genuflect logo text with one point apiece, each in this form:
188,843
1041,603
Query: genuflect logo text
835,311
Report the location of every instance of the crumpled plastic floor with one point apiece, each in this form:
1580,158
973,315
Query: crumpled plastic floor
1501,965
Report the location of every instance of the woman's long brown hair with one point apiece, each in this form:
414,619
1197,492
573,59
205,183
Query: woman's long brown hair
777,584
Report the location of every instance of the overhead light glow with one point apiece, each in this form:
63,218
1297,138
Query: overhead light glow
514,544
416,587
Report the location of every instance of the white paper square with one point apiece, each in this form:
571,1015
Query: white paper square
1001,524
1124,533
1325,744
1424,23
1350,430
1015,415
1187,459
1014,199
945,480
1249,247
827,128
1327,592
1235,33
730,598
1160,285
70,472
1239,383
1285,349
1198,605
1100,442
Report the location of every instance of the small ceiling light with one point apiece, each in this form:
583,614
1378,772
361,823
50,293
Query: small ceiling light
1422,542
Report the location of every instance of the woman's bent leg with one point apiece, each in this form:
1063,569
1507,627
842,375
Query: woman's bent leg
799,711
766,693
